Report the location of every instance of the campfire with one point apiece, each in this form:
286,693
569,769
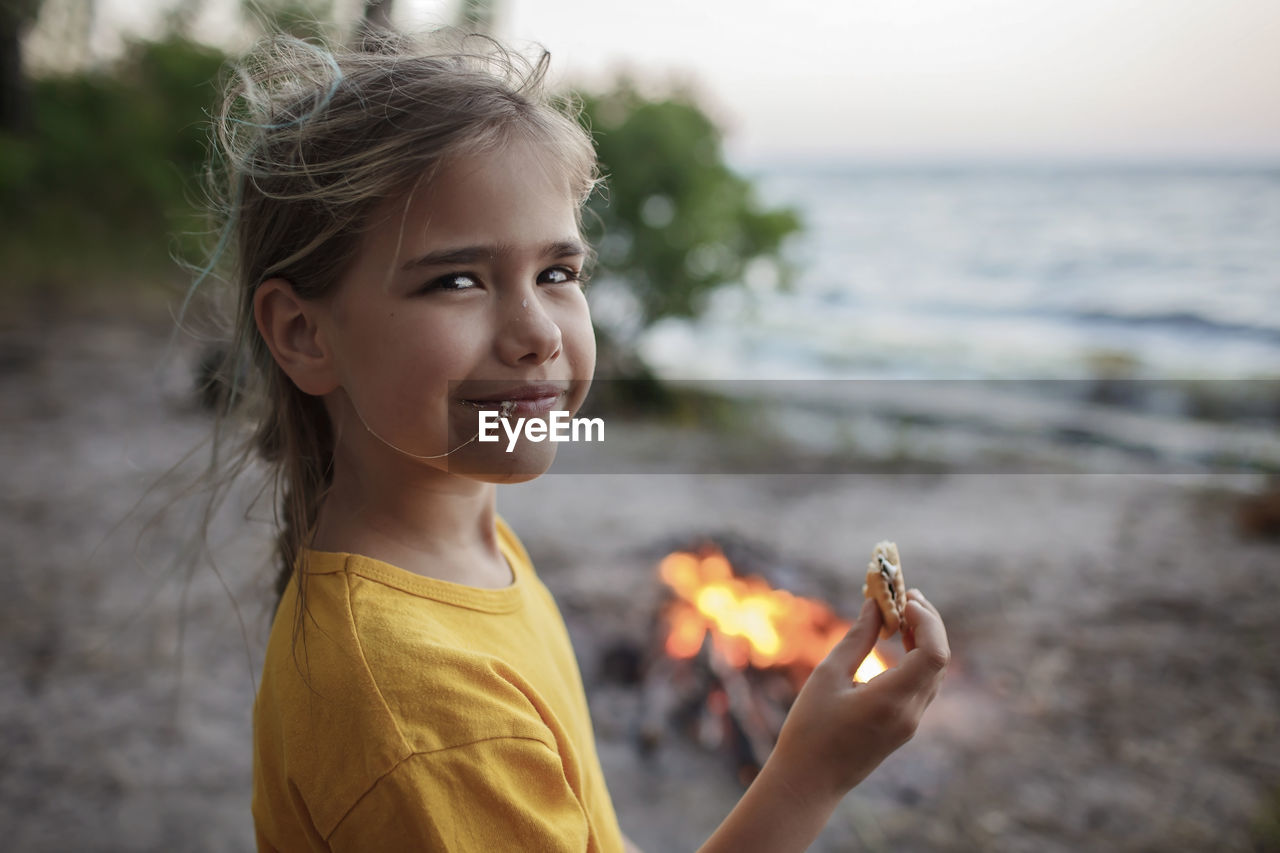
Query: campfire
734,653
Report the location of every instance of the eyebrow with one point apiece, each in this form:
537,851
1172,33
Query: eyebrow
472,254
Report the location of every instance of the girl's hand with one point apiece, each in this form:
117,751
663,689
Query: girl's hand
838,731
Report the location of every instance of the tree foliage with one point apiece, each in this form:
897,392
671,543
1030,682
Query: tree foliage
110,162
675,221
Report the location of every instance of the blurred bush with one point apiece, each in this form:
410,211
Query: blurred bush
103,187
106,174
675,221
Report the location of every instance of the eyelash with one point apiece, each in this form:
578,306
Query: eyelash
572,276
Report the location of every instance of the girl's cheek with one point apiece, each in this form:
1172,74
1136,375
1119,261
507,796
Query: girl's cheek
581,318
584,338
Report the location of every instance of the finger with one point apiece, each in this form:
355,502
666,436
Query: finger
914,594
847,654
923,665
930,635
908,635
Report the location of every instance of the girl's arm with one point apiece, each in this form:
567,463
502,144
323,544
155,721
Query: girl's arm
836,733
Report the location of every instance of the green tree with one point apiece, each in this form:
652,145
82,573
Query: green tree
108,165
306,19
675,222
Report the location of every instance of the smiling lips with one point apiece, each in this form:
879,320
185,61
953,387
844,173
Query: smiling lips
521,400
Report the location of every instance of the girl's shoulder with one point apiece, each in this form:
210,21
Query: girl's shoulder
399,656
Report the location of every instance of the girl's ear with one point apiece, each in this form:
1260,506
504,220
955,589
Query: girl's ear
291,327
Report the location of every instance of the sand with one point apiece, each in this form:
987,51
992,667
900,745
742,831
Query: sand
1116,673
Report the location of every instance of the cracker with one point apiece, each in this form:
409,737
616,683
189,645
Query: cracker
885,584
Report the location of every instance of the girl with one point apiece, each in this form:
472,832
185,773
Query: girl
408,257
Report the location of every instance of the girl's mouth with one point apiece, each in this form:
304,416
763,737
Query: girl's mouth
523,403
505,408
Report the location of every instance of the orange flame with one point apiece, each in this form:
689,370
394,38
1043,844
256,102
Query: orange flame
749,621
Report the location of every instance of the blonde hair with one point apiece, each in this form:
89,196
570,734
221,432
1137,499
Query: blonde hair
310,139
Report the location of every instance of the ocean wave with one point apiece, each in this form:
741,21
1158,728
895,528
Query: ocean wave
1185,322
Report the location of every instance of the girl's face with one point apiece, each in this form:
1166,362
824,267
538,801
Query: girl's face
465,295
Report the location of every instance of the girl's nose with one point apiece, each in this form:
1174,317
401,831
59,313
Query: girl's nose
528,333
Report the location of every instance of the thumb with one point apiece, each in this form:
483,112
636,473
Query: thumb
858,642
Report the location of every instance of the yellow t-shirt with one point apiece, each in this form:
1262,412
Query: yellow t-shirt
436,717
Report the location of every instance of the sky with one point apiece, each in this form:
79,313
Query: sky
922,80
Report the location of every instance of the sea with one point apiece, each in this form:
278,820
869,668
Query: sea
1125,313
1018,272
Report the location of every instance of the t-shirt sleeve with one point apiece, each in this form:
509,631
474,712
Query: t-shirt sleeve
497,794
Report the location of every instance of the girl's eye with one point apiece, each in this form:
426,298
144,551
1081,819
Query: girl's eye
453,281
560,275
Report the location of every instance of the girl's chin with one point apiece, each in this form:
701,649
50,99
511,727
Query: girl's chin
491,463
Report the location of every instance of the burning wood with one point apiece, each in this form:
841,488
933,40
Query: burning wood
748,622
734,655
